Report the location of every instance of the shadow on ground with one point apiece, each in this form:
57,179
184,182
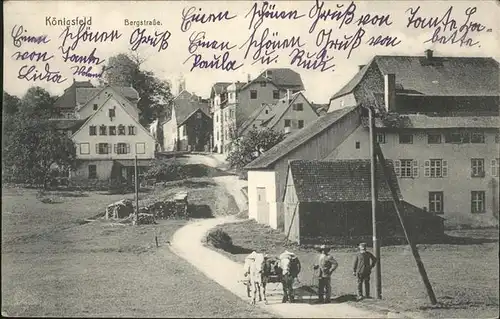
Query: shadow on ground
236,250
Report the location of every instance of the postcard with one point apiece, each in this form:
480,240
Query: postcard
300,158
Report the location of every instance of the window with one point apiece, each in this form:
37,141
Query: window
267,111
92,171
287,123
84,148
231,113
477,167
111,112
406,168
102,130
92,130
457,137
381,138
436,168
121,129
140,148
253,94
405,138
495,167
477,137
263,84
477,201
131,130
217,135
95,107
301,123
298,107
122,148
436,202
276,94
433,138
103,148
112,130
358,145
198,115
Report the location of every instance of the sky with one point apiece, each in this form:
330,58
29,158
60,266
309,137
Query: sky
169,63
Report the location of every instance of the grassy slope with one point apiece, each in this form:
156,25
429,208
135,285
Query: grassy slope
464,277
53,265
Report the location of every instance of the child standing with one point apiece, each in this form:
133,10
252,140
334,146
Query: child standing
362,268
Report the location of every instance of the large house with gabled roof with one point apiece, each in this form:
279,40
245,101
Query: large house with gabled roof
438,121
104,124
237,101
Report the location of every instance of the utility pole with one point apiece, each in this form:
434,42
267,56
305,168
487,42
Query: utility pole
414,250
374,197
136,192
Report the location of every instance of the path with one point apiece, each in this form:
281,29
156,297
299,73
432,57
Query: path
187,243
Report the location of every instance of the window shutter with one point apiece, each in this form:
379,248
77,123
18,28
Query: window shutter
97,148
494,171
427,168
415,168
115,146
445,168
397,168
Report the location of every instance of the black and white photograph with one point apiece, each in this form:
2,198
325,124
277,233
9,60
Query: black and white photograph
250,159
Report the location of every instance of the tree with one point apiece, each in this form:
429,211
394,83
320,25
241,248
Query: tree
251,145
34,148
155,95
31,143
11,104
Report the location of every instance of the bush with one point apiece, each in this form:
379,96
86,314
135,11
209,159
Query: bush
219,239
165,170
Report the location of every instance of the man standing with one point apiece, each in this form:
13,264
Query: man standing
362,268
326,265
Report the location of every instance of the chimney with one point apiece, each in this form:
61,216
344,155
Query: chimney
428,54
390,92
361,66
249,78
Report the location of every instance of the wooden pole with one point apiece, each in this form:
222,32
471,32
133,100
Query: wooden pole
136,192
414,250
374,197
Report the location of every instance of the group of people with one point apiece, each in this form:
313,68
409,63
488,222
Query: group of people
260,269
364,262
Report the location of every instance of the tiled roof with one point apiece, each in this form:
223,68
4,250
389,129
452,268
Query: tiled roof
79,93
422,121
68,98
218,88
298,138
68,124
320,109
251,118
439,76
184,108
281,77
340,181
83,95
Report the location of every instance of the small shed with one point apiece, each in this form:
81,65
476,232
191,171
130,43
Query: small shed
325,201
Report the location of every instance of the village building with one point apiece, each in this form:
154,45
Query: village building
104,125
442,133
289,114
187,127
234,103
331,201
